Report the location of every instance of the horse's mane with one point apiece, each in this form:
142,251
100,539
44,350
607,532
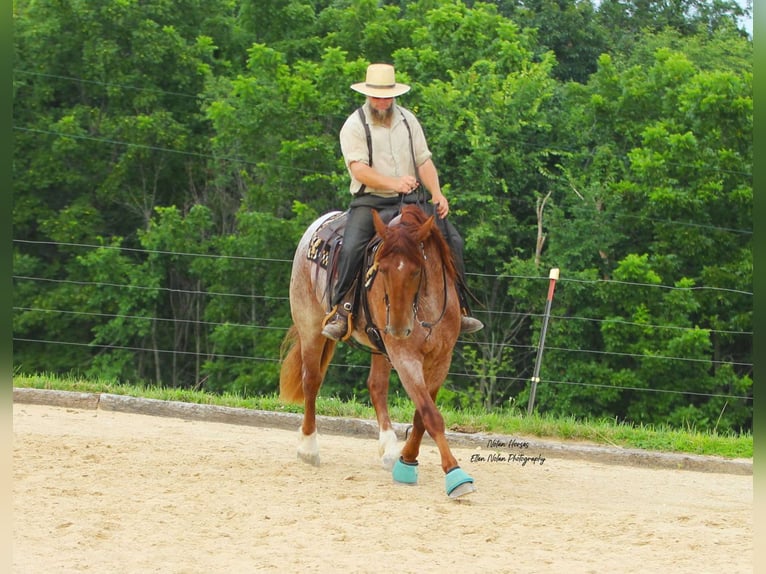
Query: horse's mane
403,238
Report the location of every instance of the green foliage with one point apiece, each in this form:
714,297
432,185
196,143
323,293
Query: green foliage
169,155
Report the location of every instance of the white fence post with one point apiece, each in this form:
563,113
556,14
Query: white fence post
553,275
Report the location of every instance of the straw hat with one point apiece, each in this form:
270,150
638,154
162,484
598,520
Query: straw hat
380,82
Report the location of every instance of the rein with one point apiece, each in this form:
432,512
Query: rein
426,324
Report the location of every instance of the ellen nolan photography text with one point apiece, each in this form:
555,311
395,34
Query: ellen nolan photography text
516,453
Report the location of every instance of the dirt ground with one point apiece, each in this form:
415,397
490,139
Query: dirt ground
111,492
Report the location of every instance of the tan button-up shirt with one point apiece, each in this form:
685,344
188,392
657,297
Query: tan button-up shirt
391,153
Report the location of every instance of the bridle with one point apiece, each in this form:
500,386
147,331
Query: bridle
429,325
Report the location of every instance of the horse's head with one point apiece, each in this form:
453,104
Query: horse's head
401,263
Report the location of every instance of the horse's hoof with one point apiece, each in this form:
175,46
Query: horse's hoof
463,489
458,483
405,472
388,449
388,461
311,458
308,448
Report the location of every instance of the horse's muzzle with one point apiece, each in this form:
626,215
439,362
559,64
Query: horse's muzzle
400,333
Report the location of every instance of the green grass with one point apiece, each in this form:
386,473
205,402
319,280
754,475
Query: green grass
501,422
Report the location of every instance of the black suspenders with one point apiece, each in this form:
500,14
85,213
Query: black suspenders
360,111
367,133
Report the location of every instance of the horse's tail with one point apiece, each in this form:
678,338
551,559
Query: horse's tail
290,379
291,373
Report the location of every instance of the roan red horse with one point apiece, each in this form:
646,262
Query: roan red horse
411,296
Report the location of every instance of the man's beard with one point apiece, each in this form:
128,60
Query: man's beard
382,117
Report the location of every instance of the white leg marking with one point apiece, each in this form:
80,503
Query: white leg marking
388,448
308,448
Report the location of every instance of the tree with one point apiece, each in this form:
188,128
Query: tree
668,183
169,155
568,28
107,129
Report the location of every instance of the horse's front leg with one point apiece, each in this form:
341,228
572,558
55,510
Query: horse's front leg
428,418
405,470
411,448
377,383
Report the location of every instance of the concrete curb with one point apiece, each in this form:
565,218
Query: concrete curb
367,428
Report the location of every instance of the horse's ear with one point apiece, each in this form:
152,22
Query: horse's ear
380,227
425,230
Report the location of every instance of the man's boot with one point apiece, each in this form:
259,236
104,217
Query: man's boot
469,324
337,323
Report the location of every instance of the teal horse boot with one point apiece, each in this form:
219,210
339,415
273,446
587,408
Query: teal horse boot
405,472
458,483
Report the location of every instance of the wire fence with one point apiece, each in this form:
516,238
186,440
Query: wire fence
529,350
274,358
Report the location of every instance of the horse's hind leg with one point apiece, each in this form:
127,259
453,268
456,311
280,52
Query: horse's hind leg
377,383
315,359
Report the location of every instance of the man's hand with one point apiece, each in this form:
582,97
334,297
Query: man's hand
406,184
441,204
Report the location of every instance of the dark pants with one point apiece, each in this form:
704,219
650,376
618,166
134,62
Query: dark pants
360,229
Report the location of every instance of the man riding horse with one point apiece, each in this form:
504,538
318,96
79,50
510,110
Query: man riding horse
388,158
